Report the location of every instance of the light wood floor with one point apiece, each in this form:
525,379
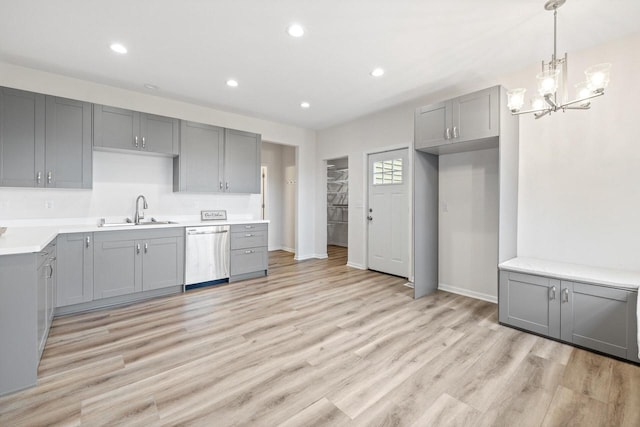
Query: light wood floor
316,343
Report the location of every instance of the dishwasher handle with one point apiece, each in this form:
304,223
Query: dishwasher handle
193,232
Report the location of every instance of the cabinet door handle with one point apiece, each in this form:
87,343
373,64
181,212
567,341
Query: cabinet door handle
447,134
88,241
248,226
49,177
248,235
138,248
455,132
552,293
565,295
221,185
144,143
50,271
39,177
146,247
227,185
135,141
248,252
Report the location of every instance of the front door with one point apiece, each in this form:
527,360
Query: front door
388,212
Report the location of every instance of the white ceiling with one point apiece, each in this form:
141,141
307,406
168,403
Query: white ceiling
189,48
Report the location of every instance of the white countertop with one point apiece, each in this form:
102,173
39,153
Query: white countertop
574,272
34,238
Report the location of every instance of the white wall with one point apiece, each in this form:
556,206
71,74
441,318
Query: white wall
272,159
114,174
468,223
579,196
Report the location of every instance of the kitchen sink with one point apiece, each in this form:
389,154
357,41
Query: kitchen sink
129,223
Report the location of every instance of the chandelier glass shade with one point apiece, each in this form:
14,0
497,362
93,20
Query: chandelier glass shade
552,82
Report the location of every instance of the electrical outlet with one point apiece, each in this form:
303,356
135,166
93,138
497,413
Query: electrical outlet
48,204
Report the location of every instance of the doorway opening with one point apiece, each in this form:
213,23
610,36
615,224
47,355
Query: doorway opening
337,207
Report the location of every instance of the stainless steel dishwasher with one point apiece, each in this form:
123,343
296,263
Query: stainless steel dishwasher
206,254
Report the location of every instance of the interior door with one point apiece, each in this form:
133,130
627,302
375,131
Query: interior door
388,212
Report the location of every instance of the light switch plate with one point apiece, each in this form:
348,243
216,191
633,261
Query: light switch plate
213,215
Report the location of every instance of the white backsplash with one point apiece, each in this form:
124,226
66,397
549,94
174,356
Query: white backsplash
118,178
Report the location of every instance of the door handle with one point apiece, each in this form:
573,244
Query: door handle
144,143
88,241
221,185
39,177
146,247
248,235
227,185
455,132
138,248
249,252
447,134
135,141
49,177
565,295
248,226
552,293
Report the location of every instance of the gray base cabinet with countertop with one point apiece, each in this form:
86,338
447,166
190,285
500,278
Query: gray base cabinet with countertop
27,292
600,318
249,253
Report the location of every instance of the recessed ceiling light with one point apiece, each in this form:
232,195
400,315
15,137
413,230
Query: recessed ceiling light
150,86
305,104
295,30
377,72
118,48
232,83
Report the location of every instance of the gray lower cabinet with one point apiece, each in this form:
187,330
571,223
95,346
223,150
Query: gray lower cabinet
198,169
474,116
122,129
597,317
249,251
242,156
75,269
126,262
45,141
20,333
46,290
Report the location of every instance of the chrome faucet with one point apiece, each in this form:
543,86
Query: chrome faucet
140,213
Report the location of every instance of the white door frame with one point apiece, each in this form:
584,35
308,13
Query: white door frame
365,163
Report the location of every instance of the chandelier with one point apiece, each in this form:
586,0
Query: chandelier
552,82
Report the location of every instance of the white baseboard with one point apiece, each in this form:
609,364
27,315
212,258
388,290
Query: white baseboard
287,249
281,248
467,293
356,265
313,256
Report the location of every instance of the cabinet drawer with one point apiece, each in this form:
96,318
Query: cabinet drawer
249,227
248,239
248,261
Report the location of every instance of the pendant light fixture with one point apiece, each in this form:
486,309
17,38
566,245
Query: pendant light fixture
552,82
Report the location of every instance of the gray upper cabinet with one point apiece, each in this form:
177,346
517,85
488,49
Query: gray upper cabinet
68,158
467,118
242,156
75,269
118,128
199,166
213,159
45,141
22,125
